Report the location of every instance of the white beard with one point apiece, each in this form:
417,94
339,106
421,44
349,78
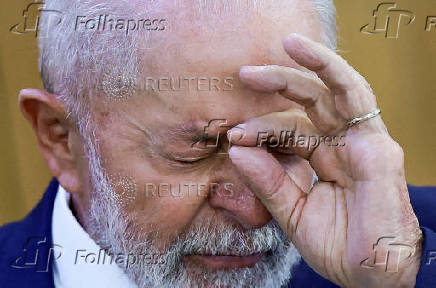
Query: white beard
111,229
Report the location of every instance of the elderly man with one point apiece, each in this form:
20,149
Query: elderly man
212,144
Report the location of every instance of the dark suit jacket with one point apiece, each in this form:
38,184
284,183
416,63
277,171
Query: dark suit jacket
27,251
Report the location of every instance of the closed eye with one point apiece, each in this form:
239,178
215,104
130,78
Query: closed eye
189,161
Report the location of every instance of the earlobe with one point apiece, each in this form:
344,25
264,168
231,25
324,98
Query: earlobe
47,115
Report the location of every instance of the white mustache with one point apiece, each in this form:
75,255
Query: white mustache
224,240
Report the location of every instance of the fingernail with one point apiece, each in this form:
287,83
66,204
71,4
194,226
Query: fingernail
251,69
236,133
262,78
289,40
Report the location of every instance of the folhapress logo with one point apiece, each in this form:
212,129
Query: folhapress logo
388,20
37,254
209,141
31,18
387,254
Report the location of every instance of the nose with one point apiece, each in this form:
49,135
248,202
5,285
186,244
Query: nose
235,199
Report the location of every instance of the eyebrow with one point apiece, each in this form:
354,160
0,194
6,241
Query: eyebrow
190,131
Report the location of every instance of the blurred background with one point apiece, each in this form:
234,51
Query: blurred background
398,60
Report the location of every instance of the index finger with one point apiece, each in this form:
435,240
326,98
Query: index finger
332,69
353,95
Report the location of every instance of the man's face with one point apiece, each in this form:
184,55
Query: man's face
157,148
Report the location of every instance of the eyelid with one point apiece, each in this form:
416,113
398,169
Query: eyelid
204,144
189,159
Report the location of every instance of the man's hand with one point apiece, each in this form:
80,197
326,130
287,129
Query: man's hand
361,196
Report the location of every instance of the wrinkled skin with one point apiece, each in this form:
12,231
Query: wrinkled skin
361,194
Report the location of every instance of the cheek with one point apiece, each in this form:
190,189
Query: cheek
153,200
167,206
153,203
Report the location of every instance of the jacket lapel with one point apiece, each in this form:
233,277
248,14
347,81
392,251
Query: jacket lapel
26,250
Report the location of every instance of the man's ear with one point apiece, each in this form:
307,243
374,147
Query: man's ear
47,115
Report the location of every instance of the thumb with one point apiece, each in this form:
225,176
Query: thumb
271,184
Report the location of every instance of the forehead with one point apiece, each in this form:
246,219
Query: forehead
222,34
208,45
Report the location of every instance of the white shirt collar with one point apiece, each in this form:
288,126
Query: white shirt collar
82,263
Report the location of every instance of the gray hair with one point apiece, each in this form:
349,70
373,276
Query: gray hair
327,16
71,62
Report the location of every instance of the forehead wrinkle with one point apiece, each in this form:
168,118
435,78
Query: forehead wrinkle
187,131
192,132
